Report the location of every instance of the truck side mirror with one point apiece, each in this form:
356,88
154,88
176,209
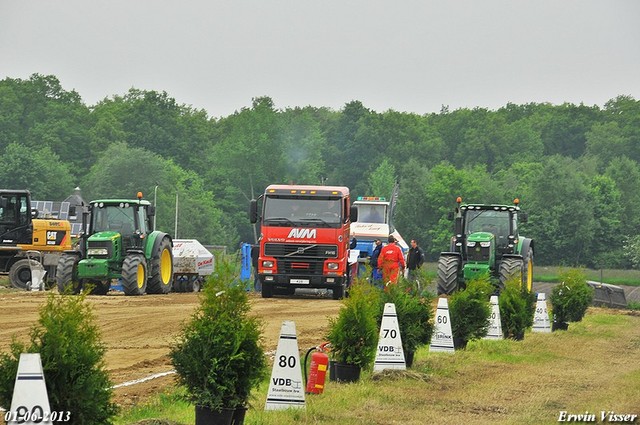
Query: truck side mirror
34,213
253,211
151,211
353,213
523,216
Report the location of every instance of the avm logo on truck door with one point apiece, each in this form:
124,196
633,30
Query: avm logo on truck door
302,233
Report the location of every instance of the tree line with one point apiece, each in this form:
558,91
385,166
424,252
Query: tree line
575,168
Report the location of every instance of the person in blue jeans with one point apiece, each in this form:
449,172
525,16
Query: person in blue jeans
376,273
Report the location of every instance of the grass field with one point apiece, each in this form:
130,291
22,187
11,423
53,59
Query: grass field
592,367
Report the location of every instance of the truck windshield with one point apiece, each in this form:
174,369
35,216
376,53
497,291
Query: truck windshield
312,212
368,213
113,218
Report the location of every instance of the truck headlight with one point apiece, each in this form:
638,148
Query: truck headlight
97,251
332,266
267,263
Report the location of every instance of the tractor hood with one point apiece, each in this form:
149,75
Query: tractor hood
104,236
480,237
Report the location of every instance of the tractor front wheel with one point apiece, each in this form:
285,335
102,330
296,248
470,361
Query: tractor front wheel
67,275
448,266
161,276
510,268
134,275
20,273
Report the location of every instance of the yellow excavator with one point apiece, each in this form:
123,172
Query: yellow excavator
22,233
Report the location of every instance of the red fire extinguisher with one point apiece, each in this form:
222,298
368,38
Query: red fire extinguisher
317,370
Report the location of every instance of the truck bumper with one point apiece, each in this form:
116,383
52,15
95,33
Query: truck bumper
288,281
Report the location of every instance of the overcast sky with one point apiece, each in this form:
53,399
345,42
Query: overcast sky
404,55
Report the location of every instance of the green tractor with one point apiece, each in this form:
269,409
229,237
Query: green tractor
120,244
486,242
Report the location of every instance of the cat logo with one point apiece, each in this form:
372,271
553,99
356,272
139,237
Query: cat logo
302,233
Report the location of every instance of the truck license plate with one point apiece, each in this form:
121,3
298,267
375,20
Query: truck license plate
300,281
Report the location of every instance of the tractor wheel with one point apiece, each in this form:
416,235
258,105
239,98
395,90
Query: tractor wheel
510,268
161,276
67,275
20,273
134,275
527,276
267,290
448,266
338,292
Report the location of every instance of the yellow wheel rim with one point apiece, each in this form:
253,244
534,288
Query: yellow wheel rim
529,274
165,266
140,275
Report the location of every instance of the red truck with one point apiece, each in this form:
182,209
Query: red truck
304,238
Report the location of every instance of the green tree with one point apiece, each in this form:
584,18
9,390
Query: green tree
382,180
39,170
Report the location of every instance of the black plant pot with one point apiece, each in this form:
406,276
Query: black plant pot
332,371
347,372
559,326
207,416
238,415
408,357
459,343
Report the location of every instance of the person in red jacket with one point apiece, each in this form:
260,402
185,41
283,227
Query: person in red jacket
391,261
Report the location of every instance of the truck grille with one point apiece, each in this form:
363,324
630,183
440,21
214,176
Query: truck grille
297,251
306,267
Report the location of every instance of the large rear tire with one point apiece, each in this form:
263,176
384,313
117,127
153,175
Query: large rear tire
527,276
20,273
448,266
134,275
161,276
510,268
67,275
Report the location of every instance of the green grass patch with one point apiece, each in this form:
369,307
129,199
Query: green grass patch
456,388
633,305
168,405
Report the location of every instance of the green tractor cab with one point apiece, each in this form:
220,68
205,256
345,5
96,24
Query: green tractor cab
120,244
486,242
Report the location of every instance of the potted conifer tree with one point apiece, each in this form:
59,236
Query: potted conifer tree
570,299
470,311
354,333
218,356
414,312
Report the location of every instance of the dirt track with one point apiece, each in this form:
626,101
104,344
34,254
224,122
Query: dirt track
138,331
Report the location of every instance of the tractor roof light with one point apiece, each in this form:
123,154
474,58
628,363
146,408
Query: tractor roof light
516,202
140,195
459,199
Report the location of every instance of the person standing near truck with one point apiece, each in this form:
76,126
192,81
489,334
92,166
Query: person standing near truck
391,261
415,258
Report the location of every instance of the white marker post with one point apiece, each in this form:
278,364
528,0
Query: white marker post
390,354
286,389
30,402
442,338
495,325
541,321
